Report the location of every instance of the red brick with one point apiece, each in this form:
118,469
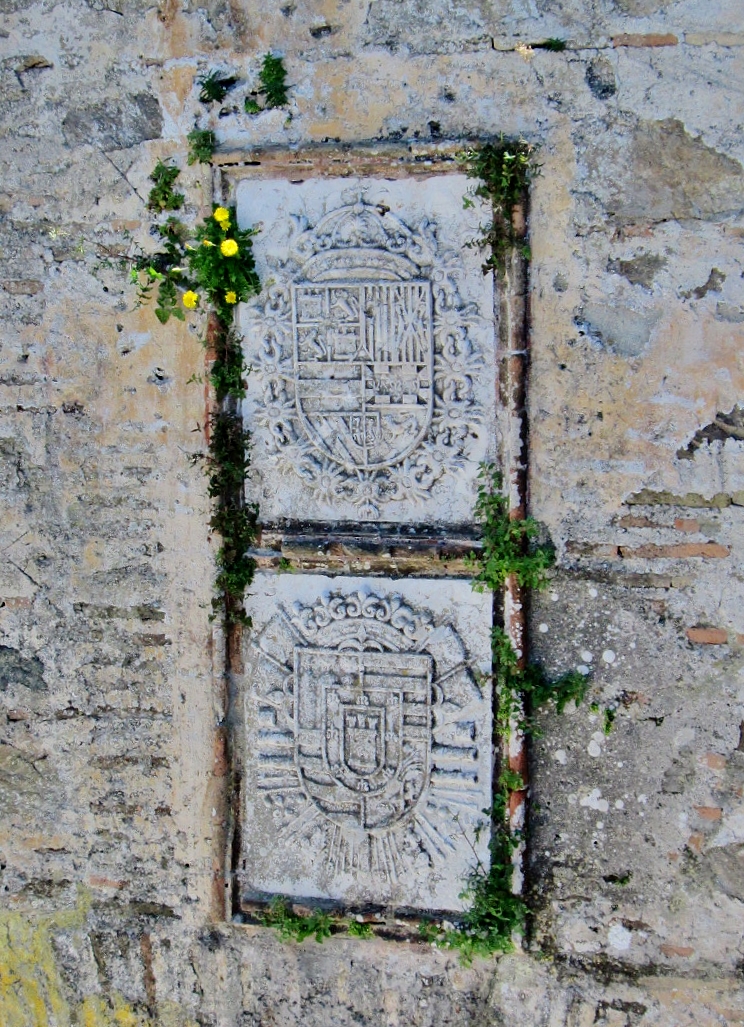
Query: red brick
598,551
632,521
714,760
676,950
709,812
695,841
681,551
645,39
686,524
707,636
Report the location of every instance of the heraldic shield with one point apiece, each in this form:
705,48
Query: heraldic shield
362,733
363,362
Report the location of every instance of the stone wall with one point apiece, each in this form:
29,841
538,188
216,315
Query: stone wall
113,772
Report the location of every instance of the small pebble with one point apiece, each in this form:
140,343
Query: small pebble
608,656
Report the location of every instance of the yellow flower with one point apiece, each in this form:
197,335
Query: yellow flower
228,248
221,214
190,299
206,242
231,297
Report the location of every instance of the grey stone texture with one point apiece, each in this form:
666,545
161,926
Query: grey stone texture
116,793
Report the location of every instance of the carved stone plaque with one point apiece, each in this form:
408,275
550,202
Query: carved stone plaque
367,740
372,391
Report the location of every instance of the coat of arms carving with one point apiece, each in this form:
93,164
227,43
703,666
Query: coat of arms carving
362,733
367,362
369,750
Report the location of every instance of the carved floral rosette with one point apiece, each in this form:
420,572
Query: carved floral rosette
366,360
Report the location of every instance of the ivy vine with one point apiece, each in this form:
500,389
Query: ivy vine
503,171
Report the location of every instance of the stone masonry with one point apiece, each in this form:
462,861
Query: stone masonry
147,799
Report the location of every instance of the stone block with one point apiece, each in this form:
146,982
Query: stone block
645,39
372,392
367,745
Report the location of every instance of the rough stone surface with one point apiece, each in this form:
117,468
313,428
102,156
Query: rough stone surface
115,781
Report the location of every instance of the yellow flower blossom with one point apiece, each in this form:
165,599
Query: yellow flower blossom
206,242
228,248
190,299
221,214
231,297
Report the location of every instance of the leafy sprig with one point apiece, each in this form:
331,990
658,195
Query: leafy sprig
273,88
504,171
215,87
508,545
202,144
225,276
162,196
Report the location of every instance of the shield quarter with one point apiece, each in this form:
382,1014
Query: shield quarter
363,364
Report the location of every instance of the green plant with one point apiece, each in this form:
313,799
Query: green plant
161,195
228,461
508,546
552,44
217,270
504,171
358,929
163,269
220,268
518,687
273,87
273,78
202,144
285,565
215,87
222,264
495,912
290,924
608,719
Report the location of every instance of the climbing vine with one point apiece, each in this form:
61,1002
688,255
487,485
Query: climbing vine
508,546
503,171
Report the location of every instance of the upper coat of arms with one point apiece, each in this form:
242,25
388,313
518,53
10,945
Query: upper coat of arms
366,362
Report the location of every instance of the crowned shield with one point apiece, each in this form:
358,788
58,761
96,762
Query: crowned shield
363,362
362,732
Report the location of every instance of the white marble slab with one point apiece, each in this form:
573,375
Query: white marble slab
373,387
367,745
